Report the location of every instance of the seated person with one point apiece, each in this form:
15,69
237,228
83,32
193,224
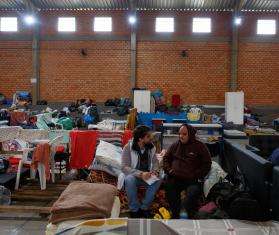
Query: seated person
274,157
139,162
185,162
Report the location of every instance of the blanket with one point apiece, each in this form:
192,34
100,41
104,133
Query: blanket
83,200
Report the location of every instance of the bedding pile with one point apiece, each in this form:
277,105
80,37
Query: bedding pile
82,200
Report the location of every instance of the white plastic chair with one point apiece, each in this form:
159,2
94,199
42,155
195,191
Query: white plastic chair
41,167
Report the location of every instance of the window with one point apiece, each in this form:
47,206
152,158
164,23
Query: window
201,25
8,24
164,25
66,24
266,27
102,24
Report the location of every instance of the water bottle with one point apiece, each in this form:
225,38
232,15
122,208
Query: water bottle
183,213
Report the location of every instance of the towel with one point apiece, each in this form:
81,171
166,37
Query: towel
83,146
41,154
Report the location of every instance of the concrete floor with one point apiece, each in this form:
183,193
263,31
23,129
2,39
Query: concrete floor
22,224
22,227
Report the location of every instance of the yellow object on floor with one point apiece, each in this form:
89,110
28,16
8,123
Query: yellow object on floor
163,214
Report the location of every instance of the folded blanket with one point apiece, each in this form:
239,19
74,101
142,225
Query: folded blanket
84,200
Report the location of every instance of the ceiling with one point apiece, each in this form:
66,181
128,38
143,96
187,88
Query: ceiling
245,5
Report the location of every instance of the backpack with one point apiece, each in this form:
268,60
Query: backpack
122,111
88,119
116,102
220,193
3,115
24,95
241,205
237,204
109,102
41,102
93,112
72,108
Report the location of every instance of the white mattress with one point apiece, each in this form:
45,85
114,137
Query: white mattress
223,227
191,227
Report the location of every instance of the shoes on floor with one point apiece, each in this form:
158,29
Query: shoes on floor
136,214
146,214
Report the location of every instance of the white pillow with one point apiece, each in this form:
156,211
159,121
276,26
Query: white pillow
109,154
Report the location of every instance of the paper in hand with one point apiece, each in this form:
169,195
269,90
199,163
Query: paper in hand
152,179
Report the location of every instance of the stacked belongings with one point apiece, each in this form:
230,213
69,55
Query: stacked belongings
121,105
22,99
225,200
4,117
195,115
90,113
112,102
2,99
159,101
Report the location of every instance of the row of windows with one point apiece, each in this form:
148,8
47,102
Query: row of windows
162,24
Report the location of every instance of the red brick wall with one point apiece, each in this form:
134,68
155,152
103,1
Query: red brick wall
202,77
15,67
15,59
67,75
258,72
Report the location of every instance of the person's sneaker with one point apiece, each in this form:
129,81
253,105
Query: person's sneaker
136,214
146,214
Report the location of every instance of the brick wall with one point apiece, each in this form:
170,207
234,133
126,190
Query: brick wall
67,75
15,67
201,77
258,72
258,63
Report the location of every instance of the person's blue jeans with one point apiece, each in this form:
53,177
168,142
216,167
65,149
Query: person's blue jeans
131,187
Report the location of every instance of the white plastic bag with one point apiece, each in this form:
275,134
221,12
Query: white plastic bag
109,154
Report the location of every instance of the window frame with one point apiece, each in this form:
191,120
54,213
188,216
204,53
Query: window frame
165,31
199,31
67,30
5,28
96,28
266,34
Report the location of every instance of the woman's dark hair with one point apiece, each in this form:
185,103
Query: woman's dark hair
139,133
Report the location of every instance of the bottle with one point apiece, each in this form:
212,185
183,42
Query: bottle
183,213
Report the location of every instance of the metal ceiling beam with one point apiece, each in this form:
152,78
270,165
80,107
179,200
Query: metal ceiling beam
240,4
133,46
30,5
35,79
